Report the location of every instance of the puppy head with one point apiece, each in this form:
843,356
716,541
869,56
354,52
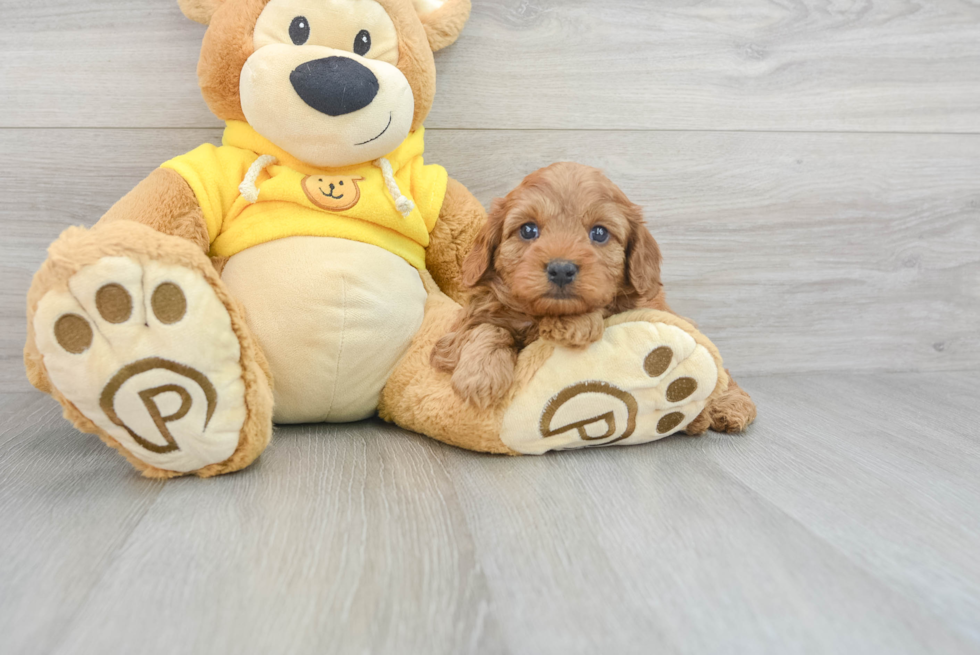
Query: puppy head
565,241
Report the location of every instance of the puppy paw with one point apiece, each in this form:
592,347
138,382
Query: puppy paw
572,331
733,411
698,426
484,370
445,354
485,383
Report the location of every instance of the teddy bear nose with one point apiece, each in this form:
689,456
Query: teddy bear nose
561,272
335,85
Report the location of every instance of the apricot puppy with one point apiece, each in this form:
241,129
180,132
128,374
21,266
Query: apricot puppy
560,253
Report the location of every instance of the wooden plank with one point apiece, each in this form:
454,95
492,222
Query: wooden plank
67,506
544,64
343,539
108,63
818,531
62,178
813,533
884,468
794,252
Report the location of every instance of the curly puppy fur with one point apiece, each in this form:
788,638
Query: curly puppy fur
514,300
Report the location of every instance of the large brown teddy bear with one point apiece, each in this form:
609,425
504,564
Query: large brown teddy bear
300,272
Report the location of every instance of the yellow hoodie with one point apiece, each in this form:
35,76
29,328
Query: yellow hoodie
294,199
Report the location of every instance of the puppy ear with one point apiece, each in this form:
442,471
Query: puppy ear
478,265
642,256
443,20
199,10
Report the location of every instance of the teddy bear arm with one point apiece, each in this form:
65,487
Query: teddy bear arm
166,203
460,220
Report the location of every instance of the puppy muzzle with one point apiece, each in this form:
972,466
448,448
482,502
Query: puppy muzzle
561,272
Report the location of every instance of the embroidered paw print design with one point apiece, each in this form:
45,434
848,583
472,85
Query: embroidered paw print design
334,193
641,382
598,425
147,353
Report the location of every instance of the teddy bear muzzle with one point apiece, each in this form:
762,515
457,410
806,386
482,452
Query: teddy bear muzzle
335,86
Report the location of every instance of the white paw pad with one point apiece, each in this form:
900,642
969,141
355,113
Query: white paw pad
641,382
147,353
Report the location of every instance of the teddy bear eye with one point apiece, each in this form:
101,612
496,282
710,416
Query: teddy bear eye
599,234
299,30
362,43
530,232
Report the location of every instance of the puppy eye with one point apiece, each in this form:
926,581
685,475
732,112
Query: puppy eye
530,232
599,234
299,30
362,43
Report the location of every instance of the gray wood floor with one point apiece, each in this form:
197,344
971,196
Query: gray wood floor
811,170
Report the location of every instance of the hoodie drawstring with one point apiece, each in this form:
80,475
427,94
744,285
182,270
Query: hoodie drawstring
251,192
247,188
402,204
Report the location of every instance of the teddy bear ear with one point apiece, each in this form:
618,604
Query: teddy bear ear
443,20
199,10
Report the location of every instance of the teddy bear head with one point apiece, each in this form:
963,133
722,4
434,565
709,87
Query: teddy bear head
331,82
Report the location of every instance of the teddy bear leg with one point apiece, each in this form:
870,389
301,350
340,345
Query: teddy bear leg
417,397
649,376
133,332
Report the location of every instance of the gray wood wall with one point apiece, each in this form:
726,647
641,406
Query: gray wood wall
811,169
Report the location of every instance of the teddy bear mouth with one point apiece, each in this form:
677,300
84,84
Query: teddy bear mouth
390,118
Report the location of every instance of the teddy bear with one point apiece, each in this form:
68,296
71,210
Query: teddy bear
302,270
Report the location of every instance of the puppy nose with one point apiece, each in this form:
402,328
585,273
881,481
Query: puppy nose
561,272
335,86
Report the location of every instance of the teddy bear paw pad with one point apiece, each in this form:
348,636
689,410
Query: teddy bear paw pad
641,382
147,352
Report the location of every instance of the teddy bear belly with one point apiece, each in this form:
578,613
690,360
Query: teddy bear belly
333,317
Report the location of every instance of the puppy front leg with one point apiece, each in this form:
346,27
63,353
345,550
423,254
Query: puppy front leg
572,331
445,354
485,366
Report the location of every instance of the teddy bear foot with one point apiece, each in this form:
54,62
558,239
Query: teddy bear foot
650,376
146,352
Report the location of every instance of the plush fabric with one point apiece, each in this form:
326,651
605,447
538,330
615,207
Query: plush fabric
617,398
78,249
292,200
420,398
127,348
452,238
171,357
199,10
166,203
228,44
353,309
444,22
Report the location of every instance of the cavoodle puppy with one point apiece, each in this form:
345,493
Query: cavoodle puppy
558,254
561,252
